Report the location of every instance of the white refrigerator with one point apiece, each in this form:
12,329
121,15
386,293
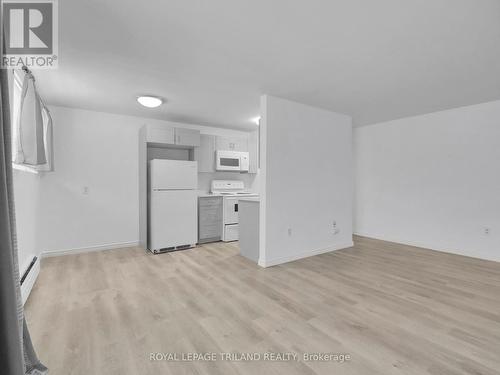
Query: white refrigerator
173,208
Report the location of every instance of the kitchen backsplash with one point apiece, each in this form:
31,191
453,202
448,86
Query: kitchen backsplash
205,179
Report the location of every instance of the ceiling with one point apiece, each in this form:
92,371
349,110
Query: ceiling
211,60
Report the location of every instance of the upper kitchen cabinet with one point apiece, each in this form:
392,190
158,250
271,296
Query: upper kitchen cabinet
205,154
160,135
173,136
231,143
187,137
253,151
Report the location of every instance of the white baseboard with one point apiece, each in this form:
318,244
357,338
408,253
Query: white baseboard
427,246
30,280
79,250
290,258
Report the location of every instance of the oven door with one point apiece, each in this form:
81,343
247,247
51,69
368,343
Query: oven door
228,161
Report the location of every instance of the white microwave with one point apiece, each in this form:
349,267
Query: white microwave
235,161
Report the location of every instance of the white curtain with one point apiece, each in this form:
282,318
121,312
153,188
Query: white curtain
17,355
32,126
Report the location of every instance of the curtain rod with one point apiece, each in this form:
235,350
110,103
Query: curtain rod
26,70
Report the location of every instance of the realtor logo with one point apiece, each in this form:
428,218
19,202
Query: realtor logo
30,29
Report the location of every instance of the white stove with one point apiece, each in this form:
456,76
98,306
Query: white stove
229,187
230,190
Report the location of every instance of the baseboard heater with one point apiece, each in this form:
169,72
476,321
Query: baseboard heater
29,277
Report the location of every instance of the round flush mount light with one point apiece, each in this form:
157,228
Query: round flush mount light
150,101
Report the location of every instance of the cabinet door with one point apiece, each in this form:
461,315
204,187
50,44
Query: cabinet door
231,143
187,137
205,153
222,143
253,150
240,144
160,135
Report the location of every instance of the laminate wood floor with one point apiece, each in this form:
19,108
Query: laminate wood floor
394,309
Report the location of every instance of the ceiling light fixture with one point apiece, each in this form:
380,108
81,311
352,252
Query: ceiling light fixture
256,120
150,101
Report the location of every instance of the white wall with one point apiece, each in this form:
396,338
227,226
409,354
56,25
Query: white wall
432,180
98,151
306,181
95,150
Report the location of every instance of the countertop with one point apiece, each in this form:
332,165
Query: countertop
204,194
249,199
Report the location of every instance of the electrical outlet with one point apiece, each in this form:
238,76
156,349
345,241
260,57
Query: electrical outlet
85,190
486,231
334,227
290,232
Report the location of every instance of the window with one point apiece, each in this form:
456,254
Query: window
31,126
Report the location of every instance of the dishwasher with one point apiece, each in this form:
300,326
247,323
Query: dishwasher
209,219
